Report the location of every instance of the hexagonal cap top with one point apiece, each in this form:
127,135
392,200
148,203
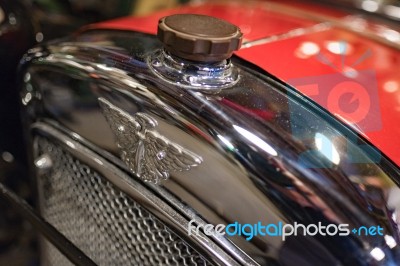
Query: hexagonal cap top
198,37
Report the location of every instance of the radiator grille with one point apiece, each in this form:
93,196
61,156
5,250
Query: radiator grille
102,221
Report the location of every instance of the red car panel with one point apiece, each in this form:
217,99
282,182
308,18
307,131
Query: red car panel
294,48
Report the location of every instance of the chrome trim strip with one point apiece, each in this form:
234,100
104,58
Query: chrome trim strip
288,35
147,198
343,23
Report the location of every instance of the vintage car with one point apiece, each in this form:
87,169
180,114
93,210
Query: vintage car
157,141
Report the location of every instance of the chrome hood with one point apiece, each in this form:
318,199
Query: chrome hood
256,151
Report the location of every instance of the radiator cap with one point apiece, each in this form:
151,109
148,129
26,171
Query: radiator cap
198,37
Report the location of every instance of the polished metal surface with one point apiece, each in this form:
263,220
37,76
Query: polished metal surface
80,167
43,164
263,145
148,154
188,74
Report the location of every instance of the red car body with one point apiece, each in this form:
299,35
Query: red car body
286,39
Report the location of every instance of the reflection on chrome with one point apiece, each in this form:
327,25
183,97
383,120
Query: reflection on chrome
226,142
43,162
184,73
370,5
27,77
350,72
69,143
390,241
391,86
256,140
12,19
307,49
339,47
27,98
39,37
392,11
389,34
327,148
7,157
377,254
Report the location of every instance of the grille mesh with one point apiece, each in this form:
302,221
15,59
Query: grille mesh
102,221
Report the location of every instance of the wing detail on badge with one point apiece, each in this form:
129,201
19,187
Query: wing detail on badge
146,152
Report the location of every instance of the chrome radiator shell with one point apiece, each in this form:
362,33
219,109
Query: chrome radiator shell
238,179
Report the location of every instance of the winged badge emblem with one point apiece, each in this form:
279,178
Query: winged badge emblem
148,154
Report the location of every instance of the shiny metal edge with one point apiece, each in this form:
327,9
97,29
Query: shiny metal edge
147,198
343,23
210,78
340,23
